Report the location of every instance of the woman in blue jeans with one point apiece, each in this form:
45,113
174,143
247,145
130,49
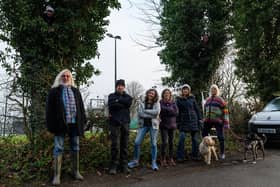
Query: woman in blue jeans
148,117
188,121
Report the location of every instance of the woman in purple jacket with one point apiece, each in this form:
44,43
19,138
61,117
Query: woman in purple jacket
168,113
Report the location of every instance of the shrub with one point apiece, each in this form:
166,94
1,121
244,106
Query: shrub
239,117
21,163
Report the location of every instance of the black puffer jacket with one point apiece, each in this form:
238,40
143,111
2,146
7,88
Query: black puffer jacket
189,115
55,114
119,105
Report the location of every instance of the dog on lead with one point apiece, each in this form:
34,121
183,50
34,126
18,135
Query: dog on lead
254,143
207,148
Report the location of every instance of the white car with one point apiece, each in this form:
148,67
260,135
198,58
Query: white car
267,121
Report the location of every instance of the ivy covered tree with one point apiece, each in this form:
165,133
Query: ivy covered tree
193,36
256,28
44,37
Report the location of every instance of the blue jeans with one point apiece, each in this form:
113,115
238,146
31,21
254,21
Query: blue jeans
139,139
59,144
181,145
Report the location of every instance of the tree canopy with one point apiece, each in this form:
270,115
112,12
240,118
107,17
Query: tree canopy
48,36
193,36
256,29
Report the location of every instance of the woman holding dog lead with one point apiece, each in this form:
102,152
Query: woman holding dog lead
148,117
216,115
188,121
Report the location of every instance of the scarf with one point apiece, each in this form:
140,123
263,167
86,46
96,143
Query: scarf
69,105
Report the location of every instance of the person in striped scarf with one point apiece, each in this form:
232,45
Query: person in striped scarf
65,114
216,115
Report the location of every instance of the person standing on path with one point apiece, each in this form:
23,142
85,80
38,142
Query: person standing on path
148,117
216,115
119,103
189,121
65,114
168,113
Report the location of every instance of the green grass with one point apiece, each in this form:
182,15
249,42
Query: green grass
14,140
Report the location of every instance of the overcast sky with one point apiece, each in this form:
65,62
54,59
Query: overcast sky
133,62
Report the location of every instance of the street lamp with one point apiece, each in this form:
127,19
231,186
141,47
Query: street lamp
115,37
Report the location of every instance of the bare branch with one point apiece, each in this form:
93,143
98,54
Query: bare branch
151,14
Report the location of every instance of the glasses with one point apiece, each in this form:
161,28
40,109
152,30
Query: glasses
65,76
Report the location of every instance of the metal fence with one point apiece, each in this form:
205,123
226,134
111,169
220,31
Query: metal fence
11,125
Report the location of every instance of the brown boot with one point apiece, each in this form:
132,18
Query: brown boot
163,162
57,170
75,162
172,162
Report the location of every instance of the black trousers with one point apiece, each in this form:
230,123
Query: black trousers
167,138
220,133
119,141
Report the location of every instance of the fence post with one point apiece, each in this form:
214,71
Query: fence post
5,116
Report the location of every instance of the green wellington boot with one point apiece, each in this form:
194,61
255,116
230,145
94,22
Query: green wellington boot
57,170
75,162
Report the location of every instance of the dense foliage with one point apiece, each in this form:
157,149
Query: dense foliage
41,45
193,36
18,166
256,28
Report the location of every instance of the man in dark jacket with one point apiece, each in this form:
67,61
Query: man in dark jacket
119,118
65,114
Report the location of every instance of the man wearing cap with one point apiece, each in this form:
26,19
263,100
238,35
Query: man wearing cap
119,118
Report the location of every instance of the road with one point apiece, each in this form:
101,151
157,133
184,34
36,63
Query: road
229,173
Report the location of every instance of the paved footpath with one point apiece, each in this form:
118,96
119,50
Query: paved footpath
230,173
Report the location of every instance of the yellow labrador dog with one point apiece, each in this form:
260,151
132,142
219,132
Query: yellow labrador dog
207,148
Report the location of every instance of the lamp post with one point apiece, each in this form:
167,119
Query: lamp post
115,38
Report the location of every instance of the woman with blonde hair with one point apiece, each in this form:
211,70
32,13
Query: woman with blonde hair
216,115
65,114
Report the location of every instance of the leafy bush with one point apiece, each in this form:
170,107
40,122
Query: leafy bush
239,117
97,121
21,162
